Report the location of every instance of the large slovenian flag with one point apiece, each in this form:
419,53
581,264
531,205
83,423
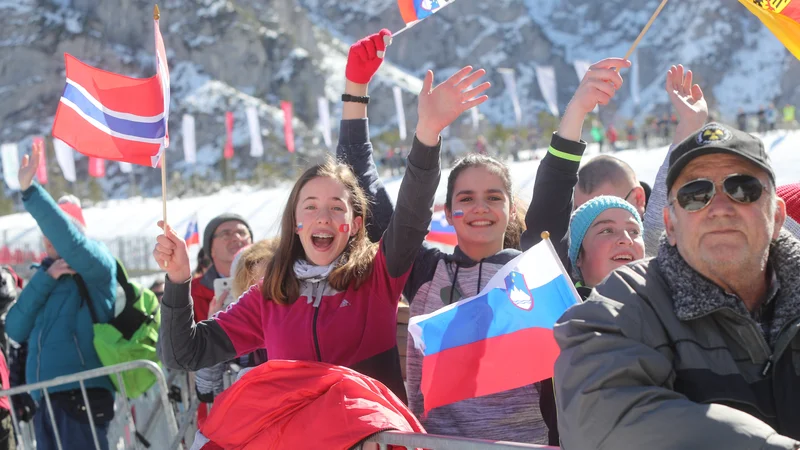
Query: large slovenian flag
441,232
110,116
416,10
782,17
500,339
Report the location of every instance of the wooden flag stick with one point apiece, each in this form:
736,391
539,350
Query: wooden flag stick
644,30
163,160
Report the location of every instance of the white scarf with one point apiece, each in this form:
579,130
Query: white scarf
305,271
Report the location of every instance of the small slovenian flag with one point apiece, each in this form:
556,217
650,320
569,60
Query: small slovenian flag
192,236
442,232
416,10
110,116
500,339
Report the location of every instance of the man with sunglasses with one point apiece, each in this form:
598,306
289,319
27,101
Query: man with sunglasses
698,347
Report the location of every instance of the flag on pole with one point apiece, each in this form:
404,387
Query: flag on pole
500,339
41,170
401,115
325,120
288,131
416,10
110,116
256,145
192,236
65,158
97,167
228,152
546,77
782,17
9,153
189,145
511,87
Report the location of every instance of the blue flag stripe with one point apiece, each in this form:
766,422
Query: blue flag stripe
151,130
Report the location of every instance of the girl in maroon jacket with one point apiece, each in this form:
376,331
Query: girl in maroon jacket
328,294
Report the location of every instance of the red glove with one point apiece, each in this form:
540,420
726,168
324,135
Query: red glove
366,56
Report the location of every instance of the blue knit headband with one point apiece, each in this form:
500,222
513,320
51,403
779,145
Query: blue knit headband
584,216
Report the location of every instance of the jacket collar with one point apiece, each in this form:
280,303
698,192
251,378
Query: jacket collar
695,296
209,277
501,257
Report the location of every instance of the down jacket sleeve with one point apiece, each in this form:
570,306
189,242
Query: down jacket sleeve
612,384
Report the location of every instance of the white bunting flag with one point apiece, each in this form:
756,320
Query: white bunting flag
635,78
189,145
546,77
324,112
125,167
401,114
581,67
66,159
256,145
476,117
511,87
10,157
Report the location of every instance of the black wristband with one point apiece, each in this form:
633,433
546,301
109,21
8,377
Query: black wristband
355,99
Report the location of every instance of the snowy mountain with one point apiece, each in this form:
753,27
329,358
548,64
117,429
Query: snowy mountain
230,54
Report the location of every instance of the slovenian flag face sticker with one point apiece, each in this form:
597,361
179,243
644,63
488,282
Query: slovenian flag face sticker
499,340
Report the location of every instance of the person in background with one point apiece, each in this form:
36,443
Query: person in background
789,121
598,135
741,120
771,117
158,288
695,348
54,319
612,136
203,263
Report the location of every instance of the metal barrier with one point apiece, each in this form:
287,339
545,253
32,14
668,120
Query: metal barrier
97,373
435,442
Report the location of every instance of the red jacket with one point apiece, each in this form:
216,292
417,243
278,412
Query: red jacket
202,297
302,404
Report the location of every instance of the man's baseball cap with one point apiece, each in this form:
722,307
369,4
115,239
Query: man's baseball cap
718,138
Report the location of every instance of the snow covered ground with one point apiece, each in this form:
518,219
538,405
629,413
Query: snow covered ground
262,207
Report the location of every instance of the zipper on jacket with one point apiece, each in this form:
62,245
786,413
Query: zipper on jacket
314,321
767,367
39,358
360,443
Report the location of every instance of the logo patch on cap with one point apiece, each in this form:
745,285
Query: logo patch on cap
713,134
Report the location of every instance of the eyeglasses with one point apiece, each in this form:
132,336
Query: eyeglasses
629,193
228,234
696,195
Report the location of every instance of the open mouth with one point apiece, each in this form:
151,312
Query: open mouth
623,257
322,241
481,223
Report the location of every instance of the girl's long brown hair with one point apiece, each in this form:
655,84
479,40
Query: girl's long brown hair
355,264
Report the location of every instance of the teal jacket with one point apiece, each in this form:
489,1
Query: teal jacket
49,314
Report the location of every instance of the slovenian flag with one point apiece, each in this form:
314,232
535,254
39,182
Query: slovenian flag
782,17
416,10
110,116
192,236
500,339
441,232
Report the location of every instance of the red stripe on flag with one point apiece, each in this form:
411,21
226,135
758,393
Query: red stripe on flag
115,91
407,10
489,366
442,238
84,137
41,170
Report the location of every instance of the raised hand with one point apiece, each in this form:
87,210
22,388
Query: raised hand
366,56
172,255
27,169
59,268
440,106
688,100
599,85
217,304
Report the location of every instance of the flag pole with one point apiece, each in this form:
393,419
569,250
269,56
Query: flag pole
644,30
163,160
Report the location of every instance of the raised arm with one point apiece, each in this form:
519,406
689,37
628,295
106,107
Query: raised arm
87,257
354,146
438,108
692,109
551,205
185,345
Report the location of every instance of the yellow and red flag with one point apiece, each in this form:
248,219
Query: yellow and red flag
782,17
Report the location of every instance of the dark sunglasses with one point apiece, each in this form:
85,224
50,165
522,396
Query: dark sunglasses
697,194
